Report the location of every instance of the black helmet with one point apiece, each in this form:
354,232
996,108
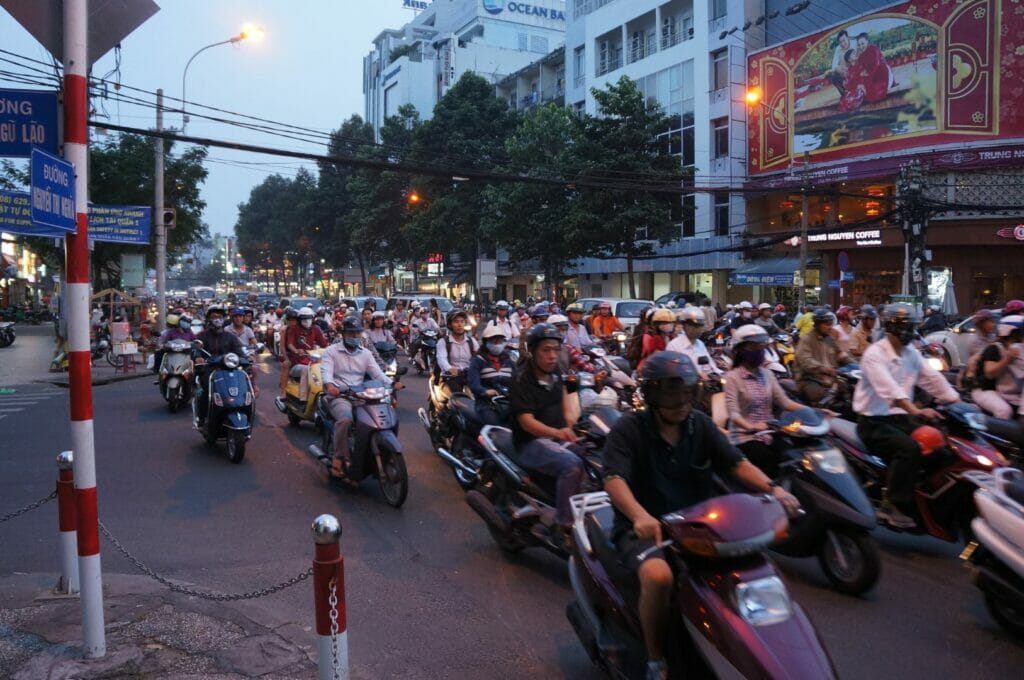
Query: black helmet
352,324
900,319
215,308
542,331
666,374
821,315
290,312
454,314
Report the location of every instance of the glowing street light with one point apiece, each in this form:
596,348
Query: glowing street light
249,32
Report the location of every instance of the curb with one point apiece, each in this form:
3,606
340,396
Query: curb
100,381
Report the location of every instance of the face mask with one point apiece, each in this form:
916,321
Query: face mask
217,323
693,331
745,313
351,343
751,358
666,327
904,333
307,323
496,348
185,325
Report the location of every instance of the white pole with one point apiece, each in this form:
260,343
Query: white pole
158,218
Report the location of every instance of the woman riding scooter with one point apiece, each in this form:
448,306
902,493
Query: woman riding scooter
490,374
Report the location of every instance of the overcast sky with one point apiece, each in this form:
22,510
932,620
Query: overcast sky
307,71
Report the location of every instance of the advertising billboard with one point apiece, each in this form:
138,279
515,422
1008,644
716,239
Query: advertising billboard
912,75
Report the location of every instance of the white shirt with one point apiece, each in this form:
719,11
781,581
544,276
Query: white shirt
452,353
420,324
694,350
887,377
508,328
345,368
577,336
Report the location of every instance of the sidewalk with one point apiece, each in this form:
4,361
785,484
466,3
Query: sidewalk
152,632
103,374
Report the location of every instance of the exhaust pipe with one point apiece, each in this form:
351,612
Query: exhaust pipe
317,452
279,403
421,413
453,461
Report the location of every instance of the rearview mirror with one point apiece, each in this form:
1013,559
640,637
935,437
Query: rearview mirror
403,370
703,361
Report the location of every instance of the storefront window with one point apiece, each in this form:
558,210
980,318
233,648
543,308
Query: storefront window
699,283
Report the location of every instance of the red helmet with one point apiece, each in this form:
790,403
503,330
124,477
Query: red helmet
780,308
1013,307
928,438
843,313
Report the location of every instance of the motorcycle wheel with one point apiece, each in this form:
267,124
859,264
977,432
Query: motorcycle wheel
394,482
1006,615
236,446
850,560
111,359
173,401
293,419
458,449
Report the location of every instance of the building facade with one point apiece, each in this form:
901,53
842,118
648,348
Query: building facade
417,63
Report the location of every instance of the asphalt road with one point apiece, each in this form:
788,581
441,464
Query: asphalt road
429,595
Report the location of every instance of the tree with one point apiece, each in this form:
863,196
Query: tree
539,221
620,144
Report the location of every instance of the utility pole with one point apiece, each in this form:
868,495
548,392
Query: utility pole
158,218
804,209
914,219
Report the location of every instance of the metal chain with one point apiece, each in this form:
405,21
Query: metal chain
333,601
29,507
216,597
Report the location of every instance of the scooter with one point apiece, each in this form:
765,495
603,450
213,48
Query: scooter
517,507
996,555
373,440
462,449
943,506
176,374
7,333
427,356
226,411
730,613
296,405
437,418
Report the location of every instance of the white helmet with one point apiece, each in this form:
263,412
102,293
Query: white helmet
763,305
1009,324
306,313
692,315
749,333
558,319
493,332
744,305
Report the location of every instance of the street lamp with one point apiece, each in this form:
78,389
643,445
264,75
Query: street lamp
755,96
248,32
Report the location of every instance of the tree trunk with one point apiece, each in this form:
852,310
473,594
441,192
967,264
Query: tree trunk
629,272
362,272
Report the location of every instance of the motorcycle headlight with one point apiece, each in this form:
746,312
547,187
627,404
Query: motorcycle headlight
231,360
937,363
373,393
620,337
827,460
763,602
248,398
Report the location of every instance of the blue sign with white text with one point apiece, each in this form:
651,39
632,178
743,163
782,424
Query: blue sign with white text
499,6
120,223
28,118
53,191
16,216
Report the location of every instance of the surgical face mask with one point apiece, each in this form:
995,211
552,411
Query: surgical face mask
306,323
666,327
496,348
217,323
351,342
751,358
185,325
745,313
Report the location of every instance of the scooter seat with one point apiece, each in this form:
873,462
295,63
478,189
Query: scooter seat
467,409
847,431
543,486
599,526
1006,429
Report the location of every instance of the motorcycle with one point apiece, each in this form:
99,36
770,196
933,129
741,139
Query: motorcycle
519,508
943,505
731,615
296,405
996,555
427,355
837,517
176,374
100,346
374,448
7,333
615,343
462,449
226,410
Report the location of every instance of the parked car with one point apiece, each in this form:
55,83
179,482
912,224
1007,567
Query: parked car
956,340
626,310
300,302
359,302
681,298
407,299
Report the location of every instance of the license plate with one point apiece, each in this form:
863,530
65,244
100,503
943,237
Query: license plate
968,550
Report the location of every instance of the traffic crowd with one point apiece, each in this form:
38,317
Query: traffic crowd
522,366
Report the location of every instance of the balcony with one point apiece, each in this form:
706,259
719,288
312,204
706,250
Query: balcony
609,66
580,80
673,38
720,95
717,25
642,50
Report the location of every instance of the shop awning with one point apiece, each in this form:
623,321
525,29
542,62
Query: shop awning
770,272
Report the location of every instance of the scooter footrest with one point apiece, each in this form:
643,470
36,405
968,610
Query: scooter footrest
607,643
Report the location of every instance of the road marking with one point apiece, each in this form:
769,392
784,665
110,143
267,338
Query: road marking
11,410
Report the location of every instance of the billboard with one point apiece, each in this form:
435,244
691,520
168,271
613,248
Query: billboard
908,76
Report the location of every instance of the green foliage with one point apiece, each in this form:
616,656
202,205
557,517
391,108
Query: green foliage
401,51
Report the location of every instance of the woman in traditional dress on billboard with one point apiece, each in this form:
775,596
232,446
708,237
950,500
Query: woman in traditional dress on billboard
869,77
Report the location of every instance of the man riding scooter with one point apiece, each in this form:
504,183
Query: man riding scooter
817,357
216,342
689,344
179,327
884,400
659,461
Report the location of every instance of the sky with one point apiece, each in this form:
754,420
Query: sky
307,71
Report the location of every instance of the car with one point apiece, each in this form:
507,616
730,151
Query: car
681,299
443,303
299,303
956,340
627,310
359,301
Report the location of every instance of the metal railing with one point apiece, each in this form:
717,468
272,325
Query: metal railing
580,80
675,37
642,51
720,95
717,25
609,66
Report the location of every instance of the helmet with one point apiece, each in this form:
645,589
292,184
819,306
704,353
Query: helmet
173,319
749,333
843,313
321,312
667,374
541,331
763,305
900,319
1009,324
694,315
379,315
215,308
352,324
291,313
238,311
574,307
983,315
305,313
821,315
928,438
279,311
780,307
501,304
744,305
558,320
663,315
1014,307
493,332
868,312
604,305
540,311
455,314
415,305
183,320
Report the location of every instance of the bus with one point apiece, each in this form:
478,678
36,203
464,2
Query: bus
202,293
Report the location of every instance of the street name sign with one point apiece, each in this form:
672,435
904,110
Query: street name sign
53,191
28,118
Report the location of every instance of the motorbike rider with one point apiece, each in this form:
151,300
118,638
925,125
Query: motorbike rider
291,320
764,320
343,366
577,335
321,322
539,314
377,331
663,329
490,374
300,339
780,317
543,411
605,323
238,328
216,342
689,344
817,357
997,388
804,321
661,460
503,323
744,316
247,315
398,315
454,352
864,334
570,359
985,332
752,396
179,327
883,399
420,323
843,329
934,321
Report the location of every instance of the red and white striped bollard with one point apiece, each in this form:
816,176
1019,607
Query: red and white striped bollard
329,598
67,518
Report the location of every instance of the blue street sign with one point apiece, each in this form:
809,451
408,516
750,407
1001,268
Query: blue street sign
120,223
847,276
53,191
844,261
28,118
16,216
833,283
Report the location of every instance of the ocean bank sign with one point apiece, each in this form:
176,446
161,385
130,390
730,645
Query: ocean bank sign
498,6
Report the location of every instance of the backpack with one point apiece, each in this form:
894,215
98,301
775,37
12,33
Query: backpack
968,379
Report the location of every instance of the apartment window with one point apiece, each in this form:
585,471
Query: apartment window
523,41
721,213
538,44
720,136
718,9
672,90
602,57
720,69
578,68
689,217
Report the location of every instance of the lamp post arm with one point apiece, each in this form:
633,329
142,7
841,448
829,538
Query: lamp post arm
184,75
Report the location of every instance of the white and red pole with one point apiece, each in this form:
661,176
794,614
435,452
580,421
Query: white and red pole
328,579
76,151
67,519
